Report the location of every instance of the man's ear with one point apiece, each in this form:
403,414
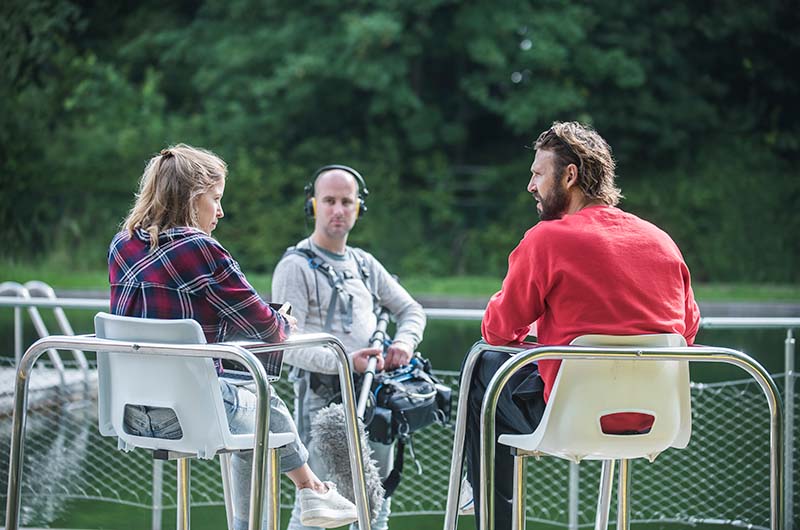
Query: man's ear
570,175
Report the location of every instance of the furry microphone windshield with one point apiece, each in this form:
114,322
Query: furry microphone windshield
329,444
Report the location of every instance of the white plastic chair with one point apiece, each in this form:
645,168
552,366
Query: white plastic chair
187,385
586,390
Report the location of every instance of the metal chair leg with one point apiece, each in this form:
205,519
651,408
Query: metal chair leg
518,504
273,490
184,487
574,496
624,496
158,494
604,496
457,462
225,471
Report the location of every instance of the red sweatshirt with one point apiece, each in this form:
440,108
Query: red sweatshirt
600,270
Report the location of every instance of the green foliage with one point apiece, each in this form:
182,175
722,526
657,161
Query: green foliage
432,100
721,217
461,286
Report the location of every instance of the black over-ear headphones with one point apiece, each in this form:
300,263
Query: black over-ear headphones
310,207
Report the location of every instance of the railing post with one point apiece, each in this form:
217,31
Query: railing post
17,335
788,425
40,289
18,291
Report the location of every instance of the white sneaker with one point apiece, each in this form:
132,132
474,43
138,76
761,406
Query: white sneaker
327,510
466,502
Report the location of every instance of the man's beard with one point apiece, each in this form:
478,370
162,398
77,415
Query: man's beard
555,205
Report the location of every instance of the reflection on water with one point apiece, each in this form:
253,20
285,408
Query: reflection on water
56,444
447,341
764,345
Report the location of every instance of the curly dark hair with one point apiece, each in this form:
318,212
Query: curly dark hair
575,143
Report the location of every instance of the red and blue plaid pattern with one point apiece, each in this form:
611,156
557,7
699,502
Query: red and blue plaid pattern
189,275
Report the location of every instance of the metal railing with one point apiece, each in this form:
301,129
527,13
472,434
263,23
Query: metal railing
219,350
527,356
731,323
36,291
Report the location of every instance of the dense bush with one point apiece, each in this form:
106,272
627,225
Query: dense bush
432,100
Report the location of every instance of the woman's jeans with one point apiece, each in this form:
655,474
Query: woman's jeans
240,408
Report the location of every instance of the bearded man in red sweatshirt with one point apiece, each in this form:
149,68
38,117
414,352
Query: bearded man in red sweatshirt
587,267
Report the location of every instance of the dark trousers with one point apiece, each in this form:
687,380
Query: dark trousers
519,410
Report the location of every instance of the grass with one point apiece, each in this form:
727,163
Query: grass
457,286
59,278
748,292
109,516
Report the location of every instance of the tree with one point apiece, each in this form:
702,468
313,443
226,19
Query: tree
432,100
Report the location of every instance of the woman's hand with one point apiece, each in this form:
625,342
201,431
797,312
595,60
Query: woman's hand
361,359
289,318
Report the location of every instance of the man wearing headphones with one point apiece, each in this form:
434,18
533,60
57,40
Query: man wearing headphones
337,289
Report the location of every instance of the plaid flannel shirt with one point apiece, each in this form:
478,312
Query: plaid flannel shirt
189,275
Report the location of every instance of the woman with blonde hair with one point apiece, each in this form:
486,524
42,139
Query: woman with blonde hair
165,264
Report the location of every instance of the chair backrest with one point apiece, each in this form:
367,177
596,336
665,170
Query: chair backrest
586,390
187,385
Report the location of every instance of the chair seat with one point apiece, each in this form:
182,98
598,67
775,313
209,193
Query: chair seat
276,440
634,448
280,439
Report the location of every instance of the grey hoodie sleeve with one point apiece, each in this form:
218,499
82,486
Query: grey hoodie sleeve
408,313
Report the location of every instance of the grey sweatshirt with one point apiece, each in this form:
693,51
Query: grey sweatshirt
310,293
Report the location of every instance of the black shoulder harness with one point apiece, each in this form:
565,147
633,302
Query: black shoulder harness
336,281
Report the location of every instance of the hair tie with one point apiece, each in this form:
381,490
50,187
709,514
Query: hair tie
166,153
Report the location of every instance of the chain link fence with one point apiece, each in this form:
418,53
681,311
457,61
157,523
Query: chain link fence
723,476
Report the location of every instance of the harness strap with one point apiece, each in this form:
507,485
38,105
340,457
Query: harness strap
391,482
336,281
331,310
